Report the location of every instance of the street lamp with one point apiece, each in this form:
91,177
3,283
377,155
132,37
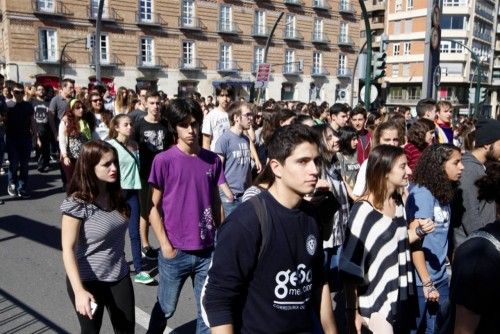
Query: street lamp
61,57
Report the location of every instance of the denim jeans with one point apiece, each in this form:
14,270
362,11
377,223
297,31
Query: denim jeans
427,311
2,144
173,273
132,197
19,151
229,206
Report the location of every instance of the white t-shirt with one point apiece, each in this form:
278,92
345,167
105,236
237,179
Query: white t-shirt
360,185
214,124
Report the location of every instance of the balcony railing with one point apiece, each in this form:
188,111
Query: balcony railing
58,9
484,13
343,72
155,63
293,2
319,38
318,71
321,5
190,23
482,35
345,41
43,57
346,8
155,20
111,61
292,35
108,14
292,69
194,65
227,27
260,31
227,66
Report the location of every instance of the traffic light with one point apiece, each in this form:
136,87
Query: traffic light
483,94
472,95
379,65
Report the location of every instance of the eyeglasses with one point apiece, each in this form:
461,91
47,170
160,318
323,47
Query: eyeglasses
249,115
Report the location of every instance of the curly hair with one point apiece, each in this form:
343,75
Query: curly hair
418,130
430,172
72,123
488,185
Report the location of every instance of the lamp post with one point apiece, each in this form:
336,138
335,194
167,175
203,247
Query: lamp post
61,57
368,67
97,42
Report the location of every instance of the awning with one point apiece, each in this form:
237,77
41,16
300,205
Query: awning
48,80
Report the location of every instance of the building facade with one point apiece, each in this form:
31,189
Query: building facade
181,46
469,22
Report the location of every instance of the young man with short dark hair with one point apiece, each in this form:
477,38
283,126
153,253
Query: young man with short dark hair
44,118
444,114
233,148
185,212
272,283
153,136
358,120
339,115
216,121
426,108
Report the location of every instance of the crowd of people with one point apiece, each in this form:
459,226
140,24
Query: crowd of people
289,217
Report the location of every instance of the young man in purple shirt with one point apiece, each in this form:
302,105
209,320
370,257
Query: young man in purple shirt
186,211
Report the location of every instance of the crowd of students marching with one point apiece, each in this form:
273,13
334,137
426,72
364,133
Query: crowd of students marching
368,208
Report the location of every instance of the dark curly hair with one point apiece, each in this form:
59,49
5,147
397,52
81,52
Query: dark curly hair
489,184
417,132
430,172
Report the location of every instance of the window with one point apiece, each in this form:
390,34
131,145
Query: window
46,5
318,29
397,27
408,26
103,45
406,70
344,31
225,18
289,60
406,48
147,51
414,93
395,70
47,43
454,69
258,57
146,10
187,13
290,25
94,9
317,63
225,57
344,5
458,22
399,5
188,54
260,22
452,47
342,64
396,93
395,49
409,4
454,3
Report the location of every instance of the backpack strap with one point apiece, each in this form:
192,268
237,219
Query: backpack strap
265,224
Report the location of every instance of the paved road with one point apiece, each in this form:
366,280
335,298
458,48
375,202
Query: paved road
33,297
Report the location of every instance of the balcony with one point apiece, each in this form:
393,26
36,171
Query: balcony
293,2
154,63
319,38
497,46
343,72
190,23
321,5
260,31
292,69
58,9
110,61
345,41
481,35
109,15
346,9
194,65
484,13
377,23
375,5
42,57
154,20
228,67
292,36
318,71
227,27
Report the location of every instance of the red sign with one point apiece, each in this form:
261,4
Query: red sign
264,72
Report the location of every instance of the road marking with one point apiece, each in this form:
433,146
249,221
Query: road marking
142,319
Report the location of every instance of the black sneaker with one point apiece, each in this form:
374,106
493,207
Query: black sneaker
149,253
11,189
23,194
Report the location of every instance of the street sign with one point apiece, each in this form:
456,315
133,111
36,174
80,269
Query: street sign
263,73
373,93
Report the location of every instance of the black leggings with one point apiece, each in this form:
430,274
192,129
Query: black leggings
117,297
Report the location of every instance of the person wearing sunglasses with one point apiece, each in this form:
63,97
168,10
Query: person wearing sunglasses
20,131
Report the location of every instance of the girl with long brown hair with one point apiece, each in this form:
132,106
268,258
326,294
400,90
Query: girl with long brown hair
101,115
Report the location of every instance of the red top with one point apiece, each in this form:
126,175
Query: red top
364,146
412,155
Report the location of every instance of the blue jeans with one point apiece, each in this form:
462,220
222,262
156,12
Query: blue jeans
2,144
132,197
173,273
19,151
229,206
427,311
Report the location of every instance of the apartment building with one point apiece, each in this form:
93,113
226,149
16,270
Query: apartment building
469,22
181,46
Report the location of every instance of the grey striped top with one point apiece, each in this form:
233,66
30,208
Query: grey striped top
100,250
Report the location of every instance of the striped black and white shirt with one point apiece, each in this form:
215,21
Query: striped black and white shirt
100,250
376,257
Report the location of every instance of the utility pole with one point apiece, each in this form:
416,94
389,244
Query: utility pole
431,48
97,42
368,68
